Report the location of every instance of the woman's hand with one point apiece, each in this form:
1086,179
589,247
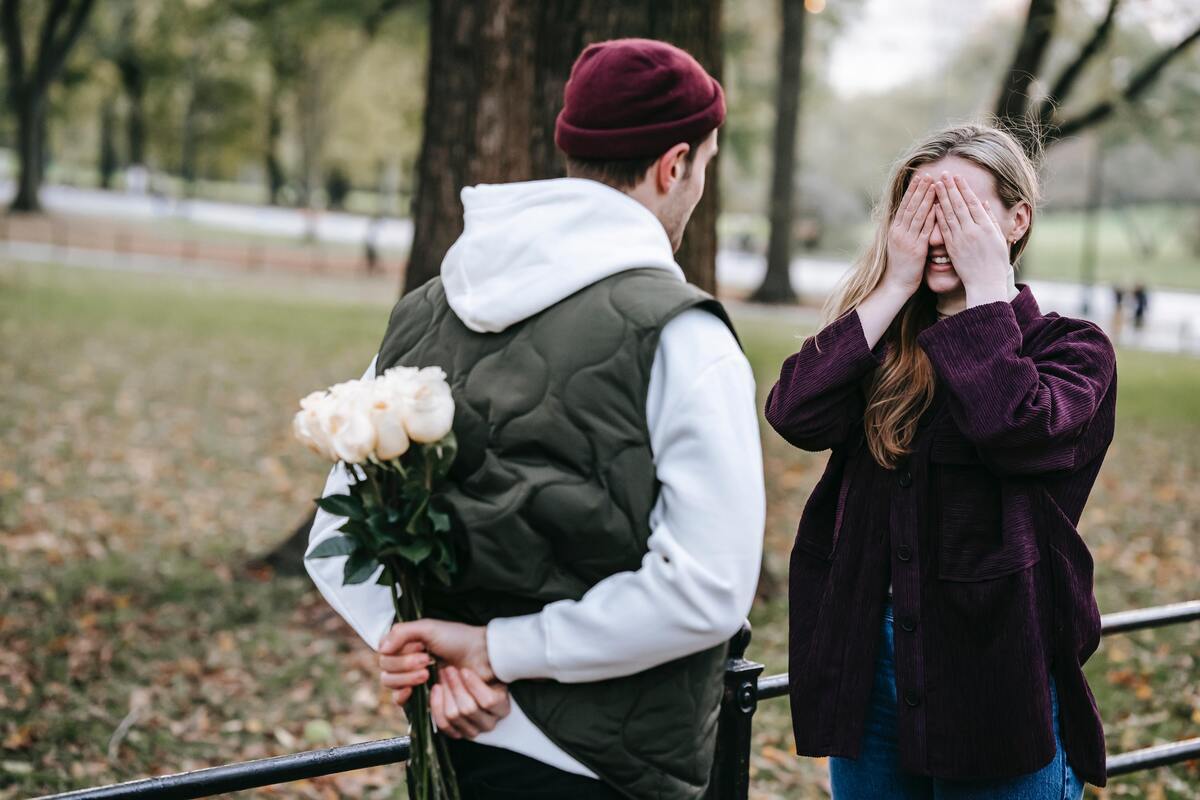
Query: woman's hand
908,238
976,244
464,706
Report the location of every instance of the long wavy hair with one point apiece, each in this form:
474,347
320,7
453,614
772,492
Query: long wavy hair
901,389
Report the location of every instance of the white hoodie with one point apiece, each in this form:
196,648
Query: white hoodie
525,247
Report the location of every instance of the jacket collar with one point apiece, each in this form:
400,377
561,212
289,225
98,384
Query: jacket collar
1025,307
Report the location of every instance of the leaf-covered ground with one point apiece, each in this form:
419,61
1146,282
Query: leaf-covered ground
146,457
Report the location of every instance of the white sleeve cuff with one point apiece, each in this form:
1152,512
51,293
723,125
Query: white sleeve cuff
517,648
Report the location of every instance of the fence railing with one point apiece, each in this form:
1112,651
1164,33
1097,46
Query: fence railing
744,688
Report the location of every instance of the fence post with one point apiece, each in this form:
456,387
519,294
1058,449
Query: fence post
731,765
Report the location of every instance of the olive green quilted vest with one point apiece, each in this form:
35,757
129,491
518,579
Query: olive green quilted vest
552,491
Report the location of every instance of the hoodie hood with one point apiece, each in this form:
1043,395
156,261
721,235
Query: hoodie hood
526,246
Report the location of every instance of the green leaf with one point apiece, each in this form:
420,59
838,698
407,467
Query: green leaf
415,552
385,577
380,526
359,566
357,530
439,519
334,546
342,505
414,525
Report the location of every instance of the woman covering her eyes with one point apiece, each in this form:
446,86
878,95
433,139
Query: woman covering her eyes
940,597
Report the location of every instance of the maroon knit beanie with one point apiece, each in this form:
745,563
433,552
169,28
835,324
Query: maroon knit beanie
636,98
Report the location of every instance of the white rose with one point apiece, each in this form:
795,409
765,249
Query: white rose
347,422
308,425
430,412
387,415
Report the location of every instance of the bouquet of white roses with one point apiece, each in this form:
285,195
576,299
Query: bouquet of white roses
394,435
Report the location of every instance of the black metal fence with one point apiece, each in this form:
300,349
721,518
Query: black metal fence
744,688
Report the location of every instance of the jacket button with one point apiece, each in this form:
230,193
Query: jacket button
904,552
908,624
905,479
912,698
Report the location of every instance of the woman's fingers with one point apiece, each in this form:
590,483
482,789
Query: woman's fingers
918,189
958,203
906,203
948,220
987,207
930,221
939,219
974,207
401,696
920,217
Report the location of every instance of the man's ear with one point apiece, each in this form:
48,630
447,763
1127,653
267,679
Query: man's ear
670,167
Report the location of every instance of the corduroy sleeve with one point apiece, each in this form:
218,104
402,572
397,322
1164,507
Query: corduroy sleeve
817,399
1026,411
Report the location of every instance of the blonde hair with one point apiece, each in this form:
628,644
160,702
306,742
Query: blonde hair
901,389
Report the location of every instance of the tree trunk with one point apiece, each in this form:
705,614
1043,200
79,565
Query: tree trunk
30,111
275,177
494,87
133,82
287,557
187,146
136,122
777,285
108,146
28,83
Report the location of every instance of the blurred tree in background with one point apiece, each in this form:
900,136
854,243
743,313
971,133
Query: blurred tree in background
1018,103
266,100
35,52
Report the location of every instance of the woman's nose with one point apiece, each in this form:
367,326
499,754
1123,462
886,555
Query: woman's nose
935,236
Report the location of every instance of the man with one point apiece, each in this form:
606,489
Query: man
608,487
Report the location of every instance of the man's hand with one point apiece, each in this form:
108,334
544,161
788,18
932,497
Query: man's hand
463,705
410,648
450,642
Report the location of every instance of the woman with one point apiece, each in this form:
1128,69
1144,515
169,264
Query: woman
966,430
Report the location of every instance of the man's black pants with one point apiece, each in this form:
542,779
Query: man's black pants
493,773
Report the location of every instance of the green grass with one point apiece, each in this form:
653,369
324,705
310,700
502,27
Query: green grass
145,456
1055,251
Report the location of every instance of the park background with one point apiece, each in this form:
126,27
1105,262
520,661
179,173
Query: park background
214,204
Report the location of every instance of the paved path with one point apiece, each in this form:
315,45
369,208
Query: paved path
1173,321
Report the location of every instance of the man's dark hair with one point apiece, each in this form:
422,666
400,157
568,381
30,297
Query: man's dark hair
624,173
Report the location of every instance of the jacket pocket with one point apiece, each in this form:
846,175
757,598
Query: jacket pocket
821,523
984,523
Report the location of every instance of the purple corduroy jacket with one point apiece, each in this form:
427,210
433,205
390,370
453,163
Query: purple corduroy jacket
975,530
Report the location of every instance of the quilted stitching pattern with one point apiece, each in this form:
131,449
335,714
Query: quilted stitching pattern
552,492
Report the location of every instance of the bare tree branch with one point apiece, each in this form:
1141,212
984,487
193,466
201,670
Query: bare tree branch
1066,79
1141,81
46,40
52,62
1013,101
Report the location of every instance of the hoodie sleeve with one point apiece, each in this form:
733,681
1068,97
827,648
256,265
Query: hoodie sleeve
696,584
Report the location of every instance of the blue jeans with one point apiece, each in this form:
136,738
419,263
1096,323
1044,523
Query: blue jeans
876,773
